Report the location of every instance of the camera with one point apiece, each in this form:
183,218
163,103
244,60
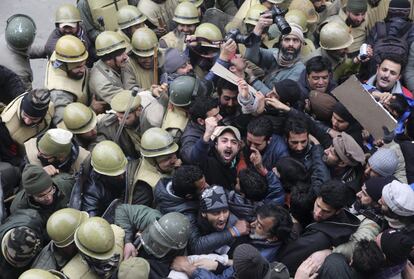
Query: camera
278,16
236,36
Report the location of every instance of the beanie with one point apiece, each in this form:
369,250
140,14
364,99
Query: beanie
399,198
396,246
297,31
322,105
348,150
374,186
55,142
342,112
36,102
134,268
35,180
384,161
213,199
249,263
174,59
288,91
400,4
357,6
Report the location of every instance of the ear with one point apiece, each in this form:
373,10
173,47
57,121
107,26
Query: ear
232,68
201,121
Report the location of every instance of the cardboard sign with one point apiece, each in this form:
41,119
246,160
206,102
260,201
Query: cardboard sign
363,107
222,72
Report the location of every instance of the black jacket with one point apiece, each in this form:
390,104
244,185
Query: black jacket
305,88
318,236
192,133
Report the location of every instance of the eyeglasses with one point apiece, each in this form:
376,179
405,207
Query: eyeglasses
43,197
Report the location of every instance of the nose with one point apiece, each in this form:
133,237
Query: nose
301,146
219,117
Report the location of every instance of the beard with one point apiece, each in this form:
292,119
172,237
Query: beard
289,56
320,9
255,236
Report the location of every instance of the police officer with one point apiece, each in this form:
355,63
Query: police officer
129,20
67,75
100,248
60,227
186,16
105,79
159,14
81,121
14,51
56,152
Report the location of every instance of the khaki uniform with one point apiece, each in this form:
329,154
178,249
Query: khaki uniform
152,111
173,39
64,90
135,75
77,268
18,62
32,151
158,12
104,82
174,122
19,132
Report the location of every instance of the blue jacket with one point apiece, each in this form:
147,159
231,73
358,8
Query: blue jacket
275,150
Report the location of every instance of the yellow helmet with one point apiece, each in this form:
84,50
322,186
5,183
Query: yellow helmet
186,13
70,49
253,14
143,42
298,17
129,15
108,42
210,32
307,7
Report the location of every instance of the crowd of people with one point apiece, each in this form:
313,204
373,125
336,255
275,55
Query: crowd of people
140,158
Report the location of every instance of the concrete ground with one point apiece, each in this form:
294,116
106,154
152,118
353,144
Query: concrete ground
43,13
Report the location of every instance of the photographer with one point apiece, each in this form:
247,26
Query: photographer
280,64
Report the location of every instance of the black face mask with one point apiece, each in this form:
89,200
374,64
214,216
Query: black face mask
320,9
103,268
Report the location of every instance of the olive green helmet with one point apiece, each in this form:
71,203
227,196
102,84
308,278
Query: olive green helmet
276,1
36,273
78,118
95,238
56,142
70,49
307,8
210,32
143,42
108,159
182,89
297,17
20,31
171,231
186,13
129,15
253,14
335,35
62,224
157,142
120,101
197,3
108,42
67,13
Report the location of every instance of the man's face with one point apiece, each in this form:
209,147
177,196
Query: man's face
228,102
186,29
46,197
260,229
132,118
90,135
185,69
121,60
69,30
388,73
215,112
319,81
238,62
78,72
338,54
338,123
363,196
322,211
369,172
167,163
146,63
217,219
290,47
356,19
330,157
227,146
29,120
319,5
297,142
258,142
201,185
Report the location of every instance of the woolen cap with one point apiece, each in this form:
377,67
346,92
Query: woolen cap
357,6
174,59
399,198
396,246
348,150
213,199
35,180
384,161
322,105
249,263
374,186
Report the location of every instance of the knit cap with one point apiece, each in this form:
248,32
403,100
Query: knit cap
374,186
396,246
36,102
174,59
322,105
400,4
357,6
399,198
35,180
384,161
249,263
213,199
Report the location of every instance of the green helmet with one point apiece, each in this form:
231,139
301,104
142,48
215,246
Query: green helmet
62,224
171,231
56,142
253,14
143,42
108,158
67,13
182,89
78,118
197,3
157,142
129,15
95,238
210,32
70,49
335,35
36,273
298,17
120,101
307,8
186,13
20,31
108,42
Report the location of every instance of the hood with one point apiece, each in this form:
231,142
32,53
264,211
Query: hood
241,207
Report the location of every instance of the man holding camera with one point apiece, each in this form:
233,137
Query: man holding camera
280,64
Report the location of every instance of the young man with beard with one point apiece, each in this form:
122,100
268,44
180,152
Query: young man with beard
216,230
279,64
216,152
